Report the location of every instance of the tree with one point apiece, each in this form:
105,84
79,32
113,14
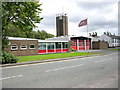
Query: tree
15,32
40,35
44,34
19,15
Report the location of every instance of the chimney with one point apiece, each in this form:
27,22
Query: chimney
90,34
95,33
104,33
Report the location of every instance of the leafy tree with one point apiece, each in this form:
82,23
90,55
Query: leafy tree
40,35
44,34
19,16
33,34
15,32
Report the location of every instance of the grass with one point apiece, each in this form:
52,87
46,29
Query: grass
51,56
114,49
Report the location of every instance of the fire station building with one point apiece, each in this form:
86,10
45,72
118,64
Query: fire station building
26,46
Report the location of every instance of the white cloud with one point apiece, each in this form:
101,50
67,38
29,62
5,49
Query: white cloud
101,15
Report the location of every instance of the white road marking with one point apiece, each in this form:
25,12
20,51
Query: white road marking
103,60
64,68
13,76
5,78
20,76
10,77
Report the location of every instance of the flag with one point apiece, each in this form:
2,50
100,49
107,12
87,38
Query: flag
83,23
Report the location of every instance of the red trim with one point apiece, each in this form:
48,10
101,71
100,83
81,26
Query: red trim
80,47
65,50
58,50
41,51
50,50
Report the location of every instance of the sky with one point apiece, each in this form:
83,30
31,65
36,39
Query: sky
102,16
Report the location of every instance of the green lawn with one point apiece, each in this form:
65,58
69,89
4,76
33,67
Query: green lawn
51,56
114,49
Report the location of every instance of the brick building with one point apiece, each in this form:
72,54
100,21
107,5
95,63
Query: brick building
22,46
26,46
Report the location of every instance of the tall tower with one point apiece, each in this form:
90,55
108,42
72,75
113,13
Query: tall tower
62,25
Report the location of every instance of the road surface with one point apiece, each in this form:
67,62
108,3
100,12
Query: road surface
89,72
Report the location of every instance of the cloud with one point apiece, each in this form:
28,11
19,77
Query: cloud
94,5
49,21
101,15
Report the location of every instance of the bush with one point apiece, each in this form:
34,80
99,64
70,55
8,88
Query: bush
8,58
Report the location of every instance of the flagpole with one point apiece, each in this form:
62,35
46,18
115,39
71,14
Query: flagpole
87,36
82,23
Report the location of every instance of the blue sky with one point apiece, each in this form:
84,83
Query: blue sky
102,15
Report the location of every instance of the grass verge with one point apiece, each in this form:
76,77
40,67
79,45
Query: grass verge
51,56
114,49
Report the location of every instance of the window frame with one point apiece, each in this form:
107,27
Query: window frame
58,45
50,45
14,45
65,45
30,45
23,48
42,46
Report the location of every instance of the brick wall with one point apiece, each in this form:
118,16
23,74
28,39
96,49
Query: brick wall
69,46
25,52
99,45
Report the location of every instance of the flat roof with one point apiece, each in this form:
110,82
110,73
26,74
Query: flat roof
80,37
52,41
19,38
62,38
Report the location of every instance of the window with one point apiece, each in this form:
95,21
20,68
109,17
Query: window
73,43
14,47
32,46
113,40
88,43
60,17
50,45
23,47
58,45
42,46
81,43
65,45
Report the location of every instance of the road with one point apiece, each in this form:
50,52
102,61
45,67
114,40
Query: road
89,72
